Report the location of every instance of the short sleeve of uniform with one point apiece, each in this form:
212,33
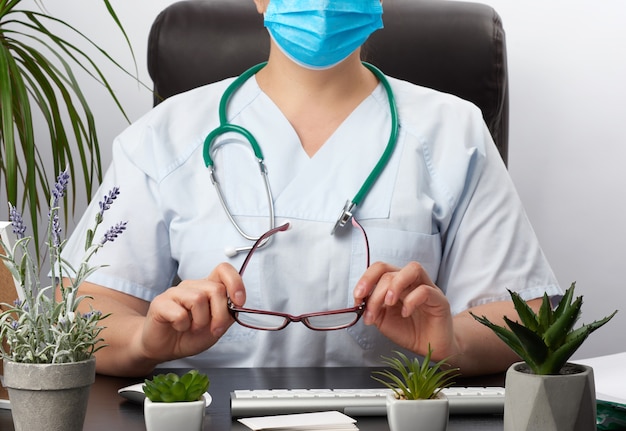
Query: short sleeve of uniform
140,259
490,246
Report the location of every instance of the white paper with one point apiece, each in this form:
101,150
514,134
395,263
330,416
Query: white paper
609,373
331,420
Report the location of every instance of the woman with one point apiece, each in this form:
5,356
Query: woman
447,233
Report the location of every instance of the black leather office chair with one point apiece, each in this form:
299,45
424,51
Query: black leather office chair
455,47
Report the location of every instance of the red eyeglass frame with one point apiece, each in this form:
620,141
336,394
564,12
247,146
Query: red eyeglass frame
288,318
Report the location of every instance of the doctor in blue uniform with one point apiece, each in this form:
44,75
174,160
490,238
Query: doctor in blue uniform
338,140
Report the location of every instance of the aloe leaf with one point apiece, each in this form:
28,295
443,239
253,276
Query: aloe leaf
545,315
509,338
557,333
590,327
565,302
559,357
526,314
532,343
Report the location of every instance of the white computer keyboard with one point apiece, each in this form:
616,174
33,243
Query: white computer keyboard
355,402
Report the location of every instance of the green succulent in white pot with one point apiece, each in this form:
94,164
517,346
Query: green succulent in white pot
45,337
416,402
546,391
176,402
40,58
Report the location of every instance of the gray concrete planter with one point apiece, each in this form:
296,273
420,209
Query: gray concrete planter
50,397
565,402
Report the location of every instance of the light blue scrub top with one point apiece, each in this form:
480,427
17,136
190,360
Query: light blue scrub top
445,200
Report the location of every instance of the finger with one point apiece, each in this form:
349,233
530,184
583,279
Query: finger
229,277
409,278
170,310
369,280
373,286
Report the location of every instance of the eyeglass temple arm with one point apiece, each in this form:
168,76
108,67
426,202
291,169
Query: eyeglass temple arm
357,225
284,227
260,241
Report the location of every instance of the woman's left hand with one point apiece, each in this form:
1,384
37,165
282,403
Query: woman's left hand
408,308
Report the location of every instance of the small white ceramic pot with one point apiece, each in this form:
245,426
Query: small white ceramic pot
416,415
183,416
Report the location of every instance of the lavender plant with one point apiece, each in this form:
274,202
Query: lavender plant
41,327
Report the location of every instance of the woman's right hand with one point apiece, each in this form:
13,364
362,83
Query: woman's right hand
192,316
182,321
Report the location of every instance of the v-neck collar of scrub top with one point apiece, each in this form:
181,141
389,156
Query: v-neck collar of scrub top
312,188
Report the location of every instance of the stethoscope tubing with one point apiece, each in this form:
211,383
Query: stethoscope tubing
226,127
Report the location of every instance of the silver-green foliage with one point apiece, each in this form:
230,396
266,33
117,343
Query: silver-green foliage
412,380
170,388
43,327
545,340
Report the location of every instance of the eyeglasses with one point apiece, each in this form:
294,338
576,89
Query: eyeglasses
274,321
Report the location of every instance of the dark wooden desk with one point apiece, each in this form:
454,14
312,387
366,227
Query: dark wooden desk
108,411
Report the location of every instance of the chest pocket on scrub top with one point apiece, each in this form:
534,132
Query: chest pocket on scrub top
395,247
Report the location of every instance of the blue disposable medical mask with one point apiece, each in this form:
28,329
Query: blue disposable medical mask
319,34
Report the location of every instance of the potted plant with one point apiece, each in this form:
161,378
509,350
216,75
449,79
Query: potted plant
174,402
47,343
40,55
417,397
545,391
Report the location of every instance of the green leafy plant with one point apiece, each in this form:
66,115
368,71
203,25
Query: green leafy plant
43,328
38,79
547,339
411,380
170,388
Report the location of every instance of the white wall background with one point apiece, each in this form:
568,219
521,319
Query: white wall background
567,62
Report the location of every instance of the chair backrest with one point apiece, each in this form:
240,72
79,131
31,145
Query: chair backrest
452,46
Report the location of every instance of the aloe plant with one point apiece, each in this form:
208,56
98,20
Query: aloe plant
545,340
412,380
38,79
170,388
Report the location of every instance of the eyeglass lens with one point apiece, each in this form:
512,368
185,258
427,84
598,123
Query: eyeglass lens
275,322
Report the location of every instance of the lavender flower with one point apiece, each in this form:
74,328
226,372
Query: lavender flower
58,192
113,232
60,187
91,314
19,228
108,199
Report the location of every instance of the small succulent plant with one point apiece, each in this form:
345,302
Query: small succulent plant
547,339
411,380
170,388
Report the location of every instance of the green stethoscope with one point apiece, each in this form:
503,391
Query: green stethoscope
226,127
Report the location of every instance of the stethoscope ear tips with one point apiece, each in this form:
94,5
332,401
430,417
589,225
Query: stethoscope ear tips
231,251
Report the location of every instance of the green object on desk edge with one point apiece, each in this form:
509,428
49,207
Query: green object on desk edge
611,416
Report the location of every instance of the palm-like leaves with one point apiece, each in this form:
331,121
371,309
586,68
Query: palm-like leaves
411,380
547,339
37,78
